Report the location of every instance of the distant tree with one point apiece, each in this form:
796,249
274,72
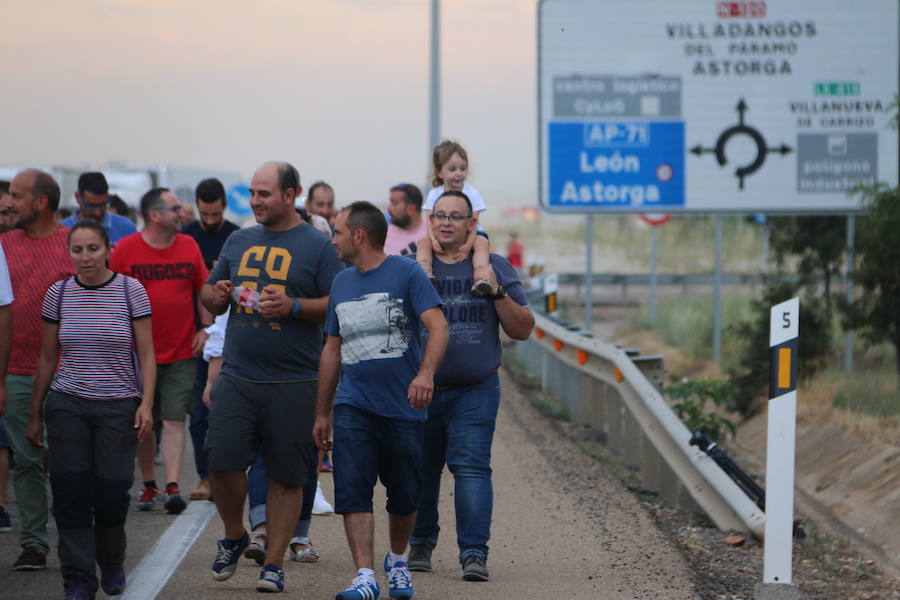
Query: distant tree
751,374
818,242
877,311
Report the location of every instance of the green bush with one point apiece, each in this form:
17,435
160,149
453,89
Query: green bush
690,401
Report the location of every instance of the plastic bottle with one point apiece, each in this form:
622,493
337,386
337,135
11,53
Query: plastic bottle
246,297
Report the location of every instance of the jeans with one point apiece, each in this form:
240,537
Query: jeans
28,473
258,490
200,419
459,432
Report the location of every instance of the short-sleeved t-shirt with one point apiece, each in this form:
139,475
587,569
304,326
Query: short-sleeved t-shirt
376,314
6,292
400,242
117,226
300,260
34,264
96,339
210,242
172,277
473,351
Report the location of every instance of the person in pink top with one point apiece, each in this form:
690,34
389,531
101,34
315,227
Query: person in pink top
38,256
407,226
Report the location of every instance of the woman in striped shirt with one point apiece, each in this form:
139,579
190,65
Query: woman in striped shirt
97,325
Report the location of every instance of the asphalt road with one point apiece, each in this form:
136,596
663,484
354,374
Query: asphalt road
563,528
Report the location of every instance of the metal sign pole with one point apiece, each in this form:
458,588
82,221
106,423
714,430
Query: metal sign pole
654,238
784,332
848,286
435,90
717,302
589,277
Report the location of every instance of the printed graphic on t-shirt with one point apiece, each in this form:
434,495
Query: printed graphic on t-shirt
373,327
182,270
465,313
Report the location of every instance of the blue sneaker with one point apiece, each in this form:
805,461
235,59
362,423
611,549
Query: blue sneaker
227,554
271,579
400,581
361,588
387,564
113,583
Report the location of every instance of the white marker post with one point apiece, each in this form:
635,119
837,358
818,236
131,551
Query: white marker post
551,289
784,331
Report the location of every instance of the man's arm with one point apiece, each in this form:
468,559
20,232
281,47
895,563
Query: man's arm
516,320
329,370
422,387
5,347
215,297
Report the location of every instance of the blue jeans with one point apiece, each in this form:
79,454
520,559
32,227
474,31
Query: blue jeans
258,491
200,419
459,432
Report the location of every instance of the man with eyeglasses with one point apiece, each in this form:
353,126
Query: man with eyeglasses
407,226
93,201
171,268
463,412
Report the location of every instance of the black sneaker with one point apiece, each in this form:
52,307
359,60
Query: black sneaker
31,559
113,583
419,559
474,569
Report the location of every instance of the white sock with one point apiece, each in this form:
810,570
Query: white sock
368,574
395,558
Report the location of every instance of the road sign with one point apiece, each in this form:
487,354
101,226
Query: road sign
704,106
239,199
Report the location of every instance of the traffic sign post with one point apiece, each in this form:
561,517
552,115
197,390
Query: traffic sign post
784,337
715,107
551,289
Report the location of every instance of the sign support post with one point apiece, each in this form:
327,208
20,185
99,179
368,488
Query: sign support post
848,286
717,308
589,277
784,332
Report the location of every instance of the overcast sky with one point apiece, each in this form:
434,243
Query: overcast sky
337,87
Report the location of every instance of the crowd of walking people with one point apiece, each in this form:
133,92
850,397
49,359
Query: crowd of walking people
312,339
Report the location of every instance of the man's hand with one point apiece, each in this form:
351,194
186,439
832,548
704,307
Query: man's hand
321,432
207,396
221,292
199,341
420,391
143,421
275,304
35,432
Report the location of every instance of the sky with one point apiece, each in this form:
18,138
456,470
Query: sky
339,88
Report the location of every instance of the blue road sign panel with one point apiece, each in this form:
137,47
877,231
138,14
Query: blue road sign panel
239,199
616,165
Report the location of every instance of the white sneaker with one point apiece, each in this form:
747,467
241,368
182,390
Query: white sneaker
321,506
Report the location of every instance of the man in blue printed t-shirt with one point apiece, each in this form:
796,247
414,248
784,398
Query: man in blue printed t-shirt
93,201
386,381
461,419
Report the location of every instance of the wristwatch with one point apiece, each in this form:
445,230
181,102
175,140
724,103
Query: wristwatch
501,292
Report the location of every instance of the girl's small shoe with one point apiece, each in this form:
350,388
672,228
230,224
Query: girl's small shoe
483,287
302,550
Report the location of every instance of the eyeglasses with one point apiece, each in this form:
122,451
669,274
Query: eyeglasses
441,217
175,208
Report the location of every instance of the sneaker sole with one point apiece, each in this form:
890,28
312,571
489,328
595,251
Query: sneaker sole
255,553
5,529
30,568
175,506
420,567
401,595
473,576
225,573
267,586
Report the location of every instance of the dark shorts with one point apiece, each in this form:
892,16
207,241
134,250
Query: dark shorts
4,440
276,416
367,447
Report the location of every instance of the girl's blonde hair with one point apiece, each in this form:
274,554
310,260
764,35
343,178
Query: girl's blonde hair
441,154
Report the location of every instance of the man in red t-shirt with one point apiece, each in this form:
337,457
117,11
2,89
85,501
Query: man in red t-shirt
37,254
171,268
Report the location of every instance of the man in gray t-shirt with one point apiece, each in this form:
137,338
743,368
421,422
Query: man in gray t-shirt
276,278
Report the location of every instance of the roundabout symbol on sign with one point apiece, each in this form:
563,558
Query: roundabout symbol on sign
755,135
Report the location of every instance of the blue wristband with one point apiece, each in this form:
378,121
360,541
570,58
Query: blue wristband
295,312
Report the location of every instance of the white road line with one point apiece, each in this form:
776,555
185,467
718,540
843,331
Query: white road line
151,575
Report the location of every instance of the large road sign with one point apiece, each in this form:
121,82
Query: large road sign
706,106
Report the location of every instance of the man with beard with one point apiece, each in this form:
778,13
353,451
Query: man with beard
210,233
38,255
407,226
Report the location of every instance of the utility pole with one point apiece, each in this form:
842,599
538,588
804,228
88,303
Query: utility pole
435,121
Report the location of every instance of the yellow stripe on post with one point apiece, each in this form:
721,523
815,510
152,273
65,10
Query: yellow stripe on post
784,368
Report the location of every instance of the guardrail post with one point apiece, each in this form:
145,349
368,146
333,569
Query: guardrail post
631,438
613,418
651,466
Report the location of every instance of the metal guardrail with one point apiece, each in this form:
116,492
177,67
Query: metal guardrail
617,392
